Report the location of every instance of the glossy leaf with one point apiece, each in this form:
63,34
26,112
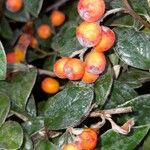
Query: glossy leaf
120,93
133,47
4,107
141,110
65,42
31,106
146,145
33,125
68,107
21,86
45,145
103,87
111,140
2,62
134,77
11,135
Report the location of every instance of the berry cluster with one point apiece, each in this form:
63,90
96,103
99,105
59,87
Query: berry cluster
86,140
89,34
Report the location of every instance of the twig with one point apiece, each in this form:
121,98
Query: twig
78,52
56,5
130,11
81,55
21,116
113,11
49,73
111,111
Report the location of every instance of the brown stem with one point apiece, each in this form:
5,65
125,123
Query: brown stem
56,5
111,111
130,11
49,73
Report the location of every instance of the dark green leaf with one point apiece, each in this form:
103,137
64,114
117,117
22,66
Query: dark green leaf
31,106
111,140
141,110
21,86
33,125
11,135
68,107
120,93
45,145
4,107
5,29
103,86
2,62
65,42
133,47
27,144
34,7
134,77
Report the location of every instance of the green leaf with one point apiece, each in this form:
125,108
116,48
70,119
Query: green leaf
34,7
27,144
31,106
65,42
11,135
4,107
21,86
111,140
103,87
68,107
33,125
133,47
141,7
141,110
45,145
146,145
2,62
63,139
120,93
5,29
134,77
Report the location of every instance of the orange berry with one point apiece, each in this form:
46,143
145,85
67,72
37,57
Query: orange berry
87,139
50,85
91,10
95,62
33,42
88,34
59,67
11,58
14,5
74,69
107,41
44,31
57,18
89,77
70,147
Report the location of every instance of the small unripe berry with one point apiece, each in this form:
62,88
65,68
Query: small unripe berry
70,147
14,5
57,18
107,41
95,62
88,34
11,58
33,42
87,139
58,67
74,69
50,85
44,31
89,77
91,10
